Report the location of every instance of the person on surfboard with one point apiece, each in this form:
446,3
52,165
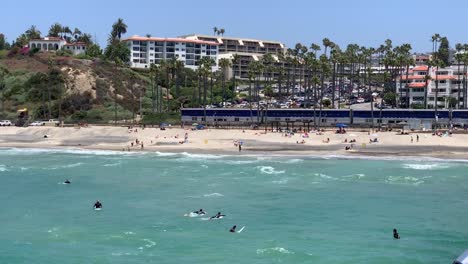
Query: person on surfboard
217,216
233,229
200,212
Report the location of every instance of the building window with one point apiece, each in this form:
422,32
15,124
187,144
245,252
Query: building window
236,119
194,118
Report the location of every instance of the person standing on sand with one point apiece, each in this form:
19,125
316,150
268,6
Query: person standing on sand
411,139
240,147
417,138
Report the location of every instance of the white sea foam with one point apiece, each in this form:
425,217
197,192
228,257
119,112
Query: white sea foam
273,250
66,166
213,195
269,170
405,180
3,168
111,164
325,176
129,233
434,166
149,243
204,166
282,181
355,176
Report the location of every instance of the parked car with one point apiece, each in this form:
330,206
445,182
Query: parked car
5,123
37,123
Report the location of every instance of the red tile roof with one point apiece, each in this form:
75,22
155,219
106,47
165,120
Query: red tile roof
444,77
76,44
172,40
49,39
417,85
413,77
420,68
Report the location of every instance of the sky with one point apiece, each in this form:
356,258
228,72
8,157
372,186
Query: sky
364,22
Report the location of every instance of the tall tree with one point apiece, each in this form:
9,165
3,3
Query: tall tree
222,31
33,33
55,30
224,64
215,30
119,28
443,52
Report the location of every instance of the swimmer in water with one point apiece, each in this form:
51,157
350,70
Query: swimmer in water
395,234
97,205
233,229
217,216
67,182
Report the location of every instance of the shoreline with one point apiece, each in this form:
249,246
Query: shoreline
220,142
286,154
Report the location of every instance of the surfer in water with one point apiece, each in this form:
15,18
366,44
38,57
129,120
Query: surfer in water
200,212
217,216
233,229
67,182
395,234
97,205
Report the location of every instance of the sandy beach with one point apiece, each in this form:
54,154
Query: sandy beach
254,142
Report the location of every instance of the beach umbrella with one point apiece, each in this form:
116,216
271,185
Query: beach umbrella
374,135
341,125
195,124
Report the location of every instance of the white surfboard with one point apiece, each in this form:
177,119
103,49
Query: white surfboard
192,214
241,229
97,209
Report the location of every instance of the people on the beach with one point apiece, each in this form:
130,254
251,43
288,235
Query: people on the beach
217,216
417,138
97,205
395,234
411,139
233,229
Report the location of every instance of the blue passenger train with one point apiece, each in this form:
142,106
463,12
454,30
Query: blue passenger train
232,116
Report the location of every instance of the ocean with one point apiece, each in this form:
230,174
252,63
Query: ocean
294,209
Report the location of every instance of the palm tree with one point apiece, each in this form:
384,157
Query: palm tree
33,33
224,64
326,44
435,62
77,33
119,28
154,72
215,30
458,57
324,68
86,38
178,67
67,30
55,30
235,61
256,67
221,31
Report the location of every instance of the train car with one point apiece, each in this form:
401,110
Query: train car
414,117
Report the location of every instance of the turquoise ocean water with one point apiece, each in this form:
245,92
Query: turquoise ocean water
296,210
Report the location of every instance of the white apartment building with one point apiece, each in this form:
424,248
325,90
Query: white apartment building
145,51
449,79
247,49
